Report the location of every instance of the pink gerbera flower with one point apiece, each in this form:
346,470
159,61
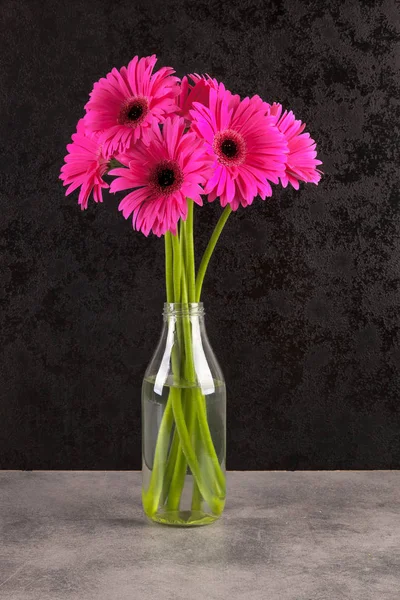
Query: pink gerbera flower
125,103
247,147
84,166
195,88
198,90
301,162
167,171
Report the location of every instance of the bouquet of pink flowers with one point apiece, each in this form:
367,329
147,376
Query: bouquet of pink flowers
168,143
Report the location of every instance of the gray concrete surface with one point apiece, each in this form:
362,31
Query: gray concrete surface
284,536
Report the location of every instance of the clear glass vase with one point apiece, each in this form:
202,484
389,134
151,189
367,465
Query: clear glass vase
183,424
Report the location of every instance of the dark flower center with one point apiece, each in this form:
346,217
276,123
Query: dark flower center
135,112
229,148
165,178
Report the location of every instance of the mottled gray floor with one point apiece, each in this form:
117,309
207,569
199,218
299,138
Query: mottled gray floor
284,536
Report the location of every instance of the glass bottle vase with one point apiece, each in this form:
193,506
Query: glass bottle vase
183,424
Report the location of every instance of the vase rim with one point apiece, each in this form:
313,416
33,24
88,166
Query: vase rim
183,308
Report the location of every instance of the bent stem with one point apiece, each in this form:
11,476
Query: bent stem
210,249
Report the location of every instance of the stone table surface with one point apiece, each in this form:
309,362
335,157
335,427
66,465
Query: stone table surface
284,535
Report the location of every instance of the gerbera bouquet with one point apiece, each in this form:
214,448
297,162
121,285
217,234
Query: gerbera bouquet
169,143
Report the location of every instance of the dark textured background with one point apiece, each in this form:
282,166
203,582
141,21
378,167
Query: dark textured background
303,296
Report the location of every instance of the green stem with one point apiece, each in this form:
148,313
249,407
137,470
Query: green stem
178,478
151,497
177,482
214,503
209,250
169,470
189,256
196,495
209,444
191,278
168,268
177,263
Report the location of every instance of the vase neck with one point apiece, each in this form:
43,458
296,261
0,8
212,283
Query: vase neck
179,310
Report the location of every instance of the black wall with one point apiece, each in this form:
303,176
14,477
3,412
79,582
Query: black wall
303,295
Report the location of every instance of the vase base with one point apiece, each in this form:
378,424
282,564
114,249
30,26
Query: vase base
183,518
